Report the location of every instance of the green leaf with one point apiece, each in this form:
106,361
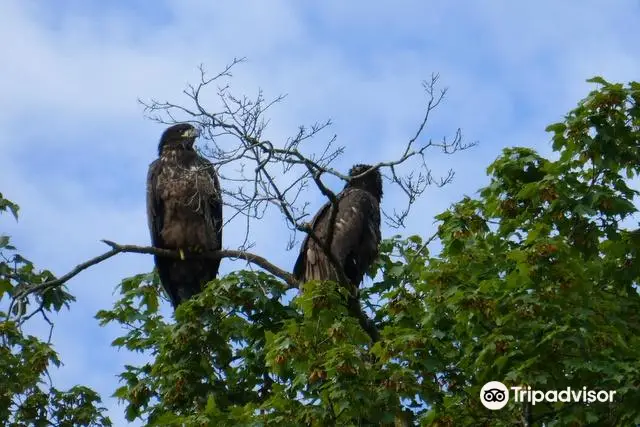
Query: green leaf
211,405
5,286
167,418
556,127
598,80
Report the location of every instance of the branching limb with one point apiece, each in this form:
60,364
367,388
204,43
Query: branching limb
235,131
118,248
234,128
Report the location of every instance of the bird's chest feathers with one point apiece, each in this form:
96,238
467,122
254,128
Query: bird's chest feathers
184,180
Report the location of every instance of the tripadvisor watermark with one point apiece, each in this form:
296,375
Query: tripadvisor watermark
494,395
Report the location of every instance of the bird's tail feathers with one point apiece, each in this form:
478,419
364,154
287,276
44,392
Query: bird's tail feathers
182,280
320,271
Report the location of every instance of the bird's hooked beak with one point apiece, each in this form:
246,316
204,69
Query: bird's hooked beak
191,133
189,137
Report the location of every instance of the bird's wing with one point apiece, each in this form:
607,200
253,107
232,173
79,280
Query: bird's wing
299,267
215,201
356,224
155,209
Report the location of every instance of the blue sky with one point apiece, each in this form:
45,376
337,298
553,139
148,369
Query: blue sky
75,145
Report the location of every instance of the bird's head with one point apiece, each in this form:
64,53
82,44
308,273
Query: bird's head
180,136
371,182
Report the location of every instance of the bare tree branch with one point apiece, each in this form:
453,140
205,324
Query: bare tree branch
118,248
234,131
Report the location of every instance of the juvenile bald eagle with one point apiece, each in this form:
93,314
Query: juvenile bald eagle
184,209
356,232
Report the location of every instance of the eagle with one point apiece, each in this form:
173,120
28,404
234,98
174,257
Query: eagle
356,232
184,211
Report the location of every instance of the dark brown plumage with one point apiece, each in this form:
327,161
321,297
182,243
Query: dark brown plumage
184,209
356,232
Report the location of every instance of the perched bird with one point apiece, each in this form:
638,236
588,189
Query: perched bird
356,232
184,210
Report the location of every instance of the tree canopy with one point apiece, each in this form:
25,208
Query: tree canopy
535,284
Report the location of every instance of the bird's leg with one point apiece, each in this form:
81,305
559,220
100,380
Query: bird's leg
181,252
196,249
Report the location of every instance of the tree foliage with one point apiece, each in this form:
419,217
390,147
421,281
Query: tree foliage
27,397
535,284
